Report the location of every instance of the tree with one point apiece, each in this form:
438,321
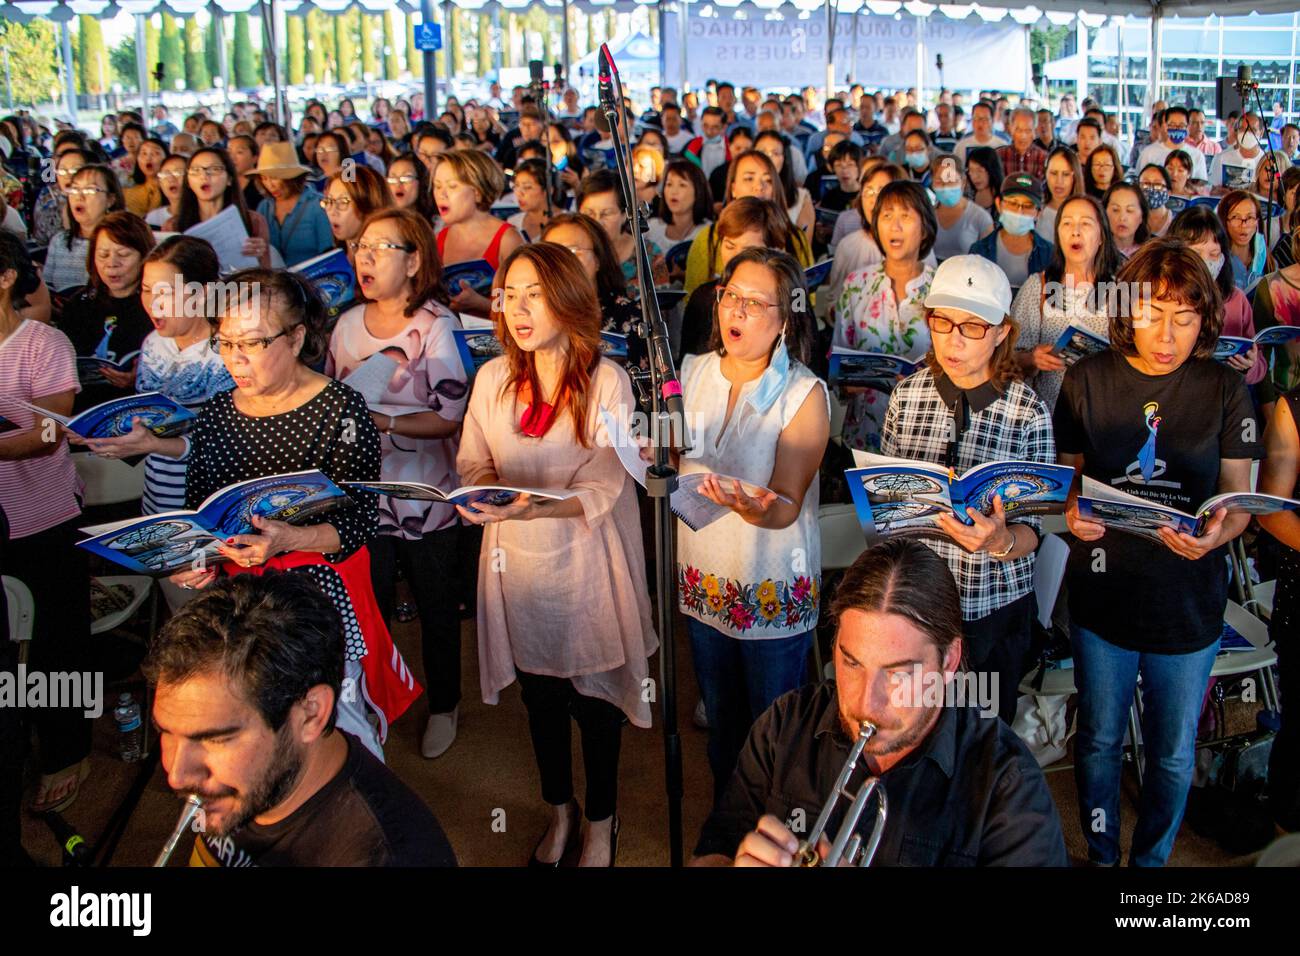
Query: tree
212,36
197,76
171,52
484,44
33,60
297,53
92,62
414,57
1045,45
369,55
345,40
391,69
246,70
152,48
455,42
317,46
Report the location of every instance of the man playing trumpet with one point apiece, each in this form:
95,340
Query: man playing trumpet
248,676
962,789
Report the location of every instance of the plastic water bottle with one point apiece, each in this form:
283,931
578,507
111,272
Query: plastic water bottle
129,729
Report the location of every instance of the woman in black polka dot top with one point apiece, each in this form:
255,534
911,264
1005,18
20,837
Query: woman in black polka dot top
281,417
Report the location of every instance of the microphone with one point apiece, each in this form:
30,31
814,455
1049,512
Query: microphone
605,81
1244,84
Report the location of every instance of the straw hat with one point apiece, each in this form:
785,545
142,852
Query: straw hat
279,161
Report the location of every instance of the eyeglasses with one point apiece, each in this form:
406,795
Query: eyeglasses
327,150
245,346
68,172
172,174
359,246
1022,207
402,180
1242,220
967,330
733,302
86,191
206,172
341,203
579,250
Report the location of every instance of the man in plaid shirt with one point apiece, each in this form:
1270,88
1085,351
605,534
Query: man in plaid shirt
962,410
1023,155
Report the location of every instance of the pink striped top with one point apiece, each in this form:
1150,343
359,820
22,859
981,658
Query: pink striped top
37,493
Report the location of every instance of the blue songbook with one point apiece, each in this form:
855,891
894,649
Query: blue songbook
614,346
113,419
815,275
894,496
675,257
1231,345
1077,343
167,542
332,275
1130,513
476,272
476,347
875,370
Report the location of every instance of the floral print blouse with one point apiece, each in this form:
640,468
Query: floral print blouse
869,318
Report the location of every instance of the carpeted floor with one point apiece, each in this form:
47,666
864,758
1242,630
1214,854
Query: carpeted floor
486,793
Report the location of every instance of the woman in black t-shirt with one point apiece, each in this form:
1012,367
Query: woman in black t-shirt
1280,475
107,320
1154,416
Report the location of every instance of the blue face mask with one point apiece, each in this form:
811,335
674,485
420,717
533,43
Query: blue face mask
1016,223
712,140
917,160
1157,196
1177,136
772,382
948,196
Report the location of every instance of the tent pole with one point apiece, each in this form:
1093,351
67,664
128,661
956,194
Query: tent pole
565,53
1153,62
142,70
223,68
663,47
69,81
684,13
920,62
830,50
430,66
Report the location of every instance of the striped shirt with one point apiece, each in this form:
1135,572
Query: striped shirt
189,376
1012,426
37,493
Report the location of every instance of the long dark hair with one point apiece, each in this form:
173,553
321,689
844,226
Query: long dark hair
702,209
290,294
1192,225
791,298
195,259
1107,260
986,158
125,229
1119,185
610,281
233,196
417,233
424,187
788,185
1171,271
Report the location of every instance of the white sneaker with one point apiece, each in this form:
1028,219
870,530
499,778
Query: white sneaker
439,734
700,717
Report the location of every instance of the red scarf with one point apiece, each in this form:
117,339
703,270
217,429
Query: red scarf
537,418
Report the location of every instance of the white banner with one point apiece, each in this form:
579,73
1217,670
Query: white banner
792,53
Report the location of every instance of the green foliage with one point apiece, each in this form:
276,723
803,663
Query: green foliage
246,68
369,55
391,68
345,40
93,71
297,52
484,44
214,35
171,51
1045,45
197,77
320,45
33,60
414,57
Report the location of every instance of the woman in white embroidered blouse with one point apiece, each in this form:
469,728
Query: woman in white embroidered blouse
750,583
881,308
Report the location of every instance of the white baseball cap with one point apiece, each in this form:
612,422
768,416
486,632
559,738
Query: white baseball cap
972,284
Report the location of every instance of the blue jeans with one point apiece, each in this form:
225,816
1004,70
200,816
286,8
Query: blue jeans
1173,689
738,680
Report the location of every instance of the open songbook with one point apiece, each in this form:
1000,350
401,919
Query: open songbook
112,419
466,496
895,496
694,510
1124,512
1076,343
1231,345
167,542
876,370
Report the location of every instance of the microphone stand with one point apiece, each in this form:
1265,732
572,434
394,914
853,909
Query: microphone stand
1270,155
539,87
661,477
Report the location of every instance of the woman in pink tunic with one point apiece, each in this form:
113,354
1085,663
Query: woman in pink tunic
562,602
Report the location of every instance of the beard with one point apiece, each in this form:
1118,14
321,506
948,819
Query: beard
271,788
898,737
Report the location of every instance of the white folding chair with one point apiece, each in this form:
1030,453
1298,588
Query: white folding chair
842,542
22,611
109,482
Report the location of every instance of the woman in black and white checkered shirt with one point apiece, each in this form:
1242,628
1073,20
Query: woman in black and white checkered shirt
965,408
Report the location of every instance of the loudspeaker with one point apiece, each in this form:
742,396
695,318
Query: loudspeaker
1226,98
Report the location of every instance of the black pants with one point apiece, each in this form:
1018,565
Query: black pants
432,569
56,573
551,702
999,643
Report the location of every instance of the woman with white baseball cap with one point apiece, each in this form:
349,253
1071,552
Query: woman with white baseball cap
965,408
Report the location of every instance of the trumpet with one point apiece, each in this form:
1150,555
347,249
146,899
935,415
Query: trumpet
847,845
192,806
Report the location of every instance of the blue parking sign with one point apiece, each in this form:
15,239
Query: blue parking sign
428,37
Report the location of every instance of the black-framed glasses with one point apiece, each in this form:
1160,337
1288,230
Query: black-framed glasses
245,346
358,246
967,330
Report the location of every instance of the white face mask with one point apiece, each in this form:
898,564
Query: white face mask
1215,266
1249,140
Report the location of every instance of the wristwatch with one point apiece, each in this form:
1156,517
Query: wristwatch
999,555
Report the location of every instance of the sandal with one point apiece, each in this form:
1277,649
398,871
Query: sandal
69,779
